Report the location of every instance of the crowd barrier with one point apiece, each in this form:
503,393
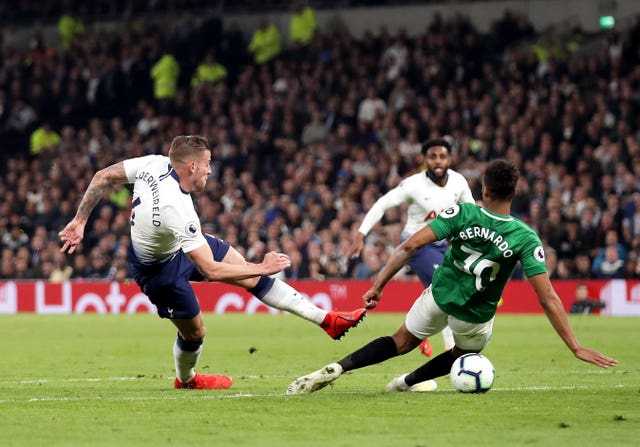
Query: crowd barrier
622,297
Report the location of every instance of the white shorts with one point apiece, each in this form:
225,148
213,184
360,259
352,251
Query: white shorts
426,319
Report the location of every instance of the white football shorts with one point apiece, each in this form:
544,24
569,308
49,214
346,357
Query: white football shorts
426,319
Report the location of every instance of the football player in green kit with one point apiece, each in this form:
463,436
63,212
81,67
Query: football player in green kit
485,245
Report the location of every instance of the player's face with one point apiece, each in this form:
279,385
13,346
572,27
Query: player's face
438,161
201,170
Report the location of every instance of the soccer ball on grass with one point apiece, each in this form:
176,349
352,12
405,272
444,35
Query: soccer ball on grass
472,373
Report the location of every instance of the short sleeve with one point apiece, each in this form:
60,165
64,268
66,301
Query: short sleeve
184,224
444,225
532,257
133,165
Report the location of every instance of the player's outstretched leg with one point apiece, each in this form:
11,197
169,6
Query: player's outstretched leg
316,380
281,295
336,324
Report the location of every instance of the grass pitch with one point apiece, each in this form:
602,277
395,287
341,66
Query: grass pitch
106,380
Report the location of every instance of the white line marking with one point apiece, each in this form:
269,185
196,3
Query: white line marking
188,394
122,379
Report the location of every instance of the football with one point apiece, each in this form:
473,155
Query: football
472,373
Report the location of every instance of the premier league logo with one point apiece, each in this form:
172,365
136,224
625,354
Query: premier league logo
450,212
192,228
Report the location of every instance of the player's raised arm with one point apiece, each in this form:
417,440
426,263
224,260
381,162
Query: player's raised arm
391,199
72,234
554,311
356,246
397,260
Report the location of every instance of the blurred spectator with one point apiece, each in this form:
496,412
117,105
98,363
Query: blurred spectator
21,116
394,58
15,238
631,219
611,240
209,71
99,265
611,267
584,304
265,43
165,80
59,270
582,267
81,267
371,106
370,264
570,245
149,122
69,28
302,24
315,131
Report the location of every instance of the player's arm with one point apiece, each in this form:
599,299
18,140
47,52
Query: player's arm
102,180
554,310
397,260
212,270
392,198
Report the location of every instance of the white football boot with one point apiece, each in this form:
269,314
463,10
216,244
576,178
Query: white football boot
398,384
316,380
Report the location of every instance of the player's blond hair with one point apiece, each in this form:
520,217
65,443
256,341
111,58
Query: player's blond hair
183,147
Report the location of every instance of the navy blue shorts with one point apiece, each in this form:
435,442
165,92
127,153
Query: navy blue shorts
167,284
426,259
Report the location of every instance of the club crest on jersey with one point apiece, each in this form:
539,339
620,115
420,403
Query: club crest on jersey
538,254
191,229
450,212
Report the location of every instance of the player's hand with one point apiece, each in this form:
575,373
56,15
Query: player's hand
595,357
275,262
71,236
356,247
371,298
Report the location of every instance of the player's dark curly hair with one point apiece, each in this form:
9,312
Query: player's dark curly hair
500,178
435,142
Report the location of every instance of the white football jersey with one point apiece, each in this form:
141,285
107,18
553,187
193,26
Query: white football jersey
163,219
424,198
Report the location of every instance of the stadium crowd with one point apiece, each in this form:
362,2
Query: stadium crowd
26,11
307,140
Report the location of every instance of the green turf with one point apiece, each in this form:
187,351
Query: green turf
107,381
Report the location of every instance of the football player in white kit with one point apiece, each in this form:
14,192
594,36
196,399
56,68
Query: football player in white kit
426,194
168,249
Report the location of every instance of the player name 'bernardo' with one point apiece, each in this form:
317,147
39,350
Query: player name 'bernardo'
485,233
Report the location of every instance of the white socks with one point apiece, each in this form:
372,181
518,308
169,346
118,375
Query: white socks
284,297
185,362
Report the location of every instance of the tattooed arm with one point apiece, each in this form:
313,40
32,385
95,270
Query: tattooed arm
73,233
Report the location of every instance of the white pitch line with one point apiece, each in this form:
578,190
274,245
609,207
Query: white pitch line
240,377
183,395
187,395
88,379
122,379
